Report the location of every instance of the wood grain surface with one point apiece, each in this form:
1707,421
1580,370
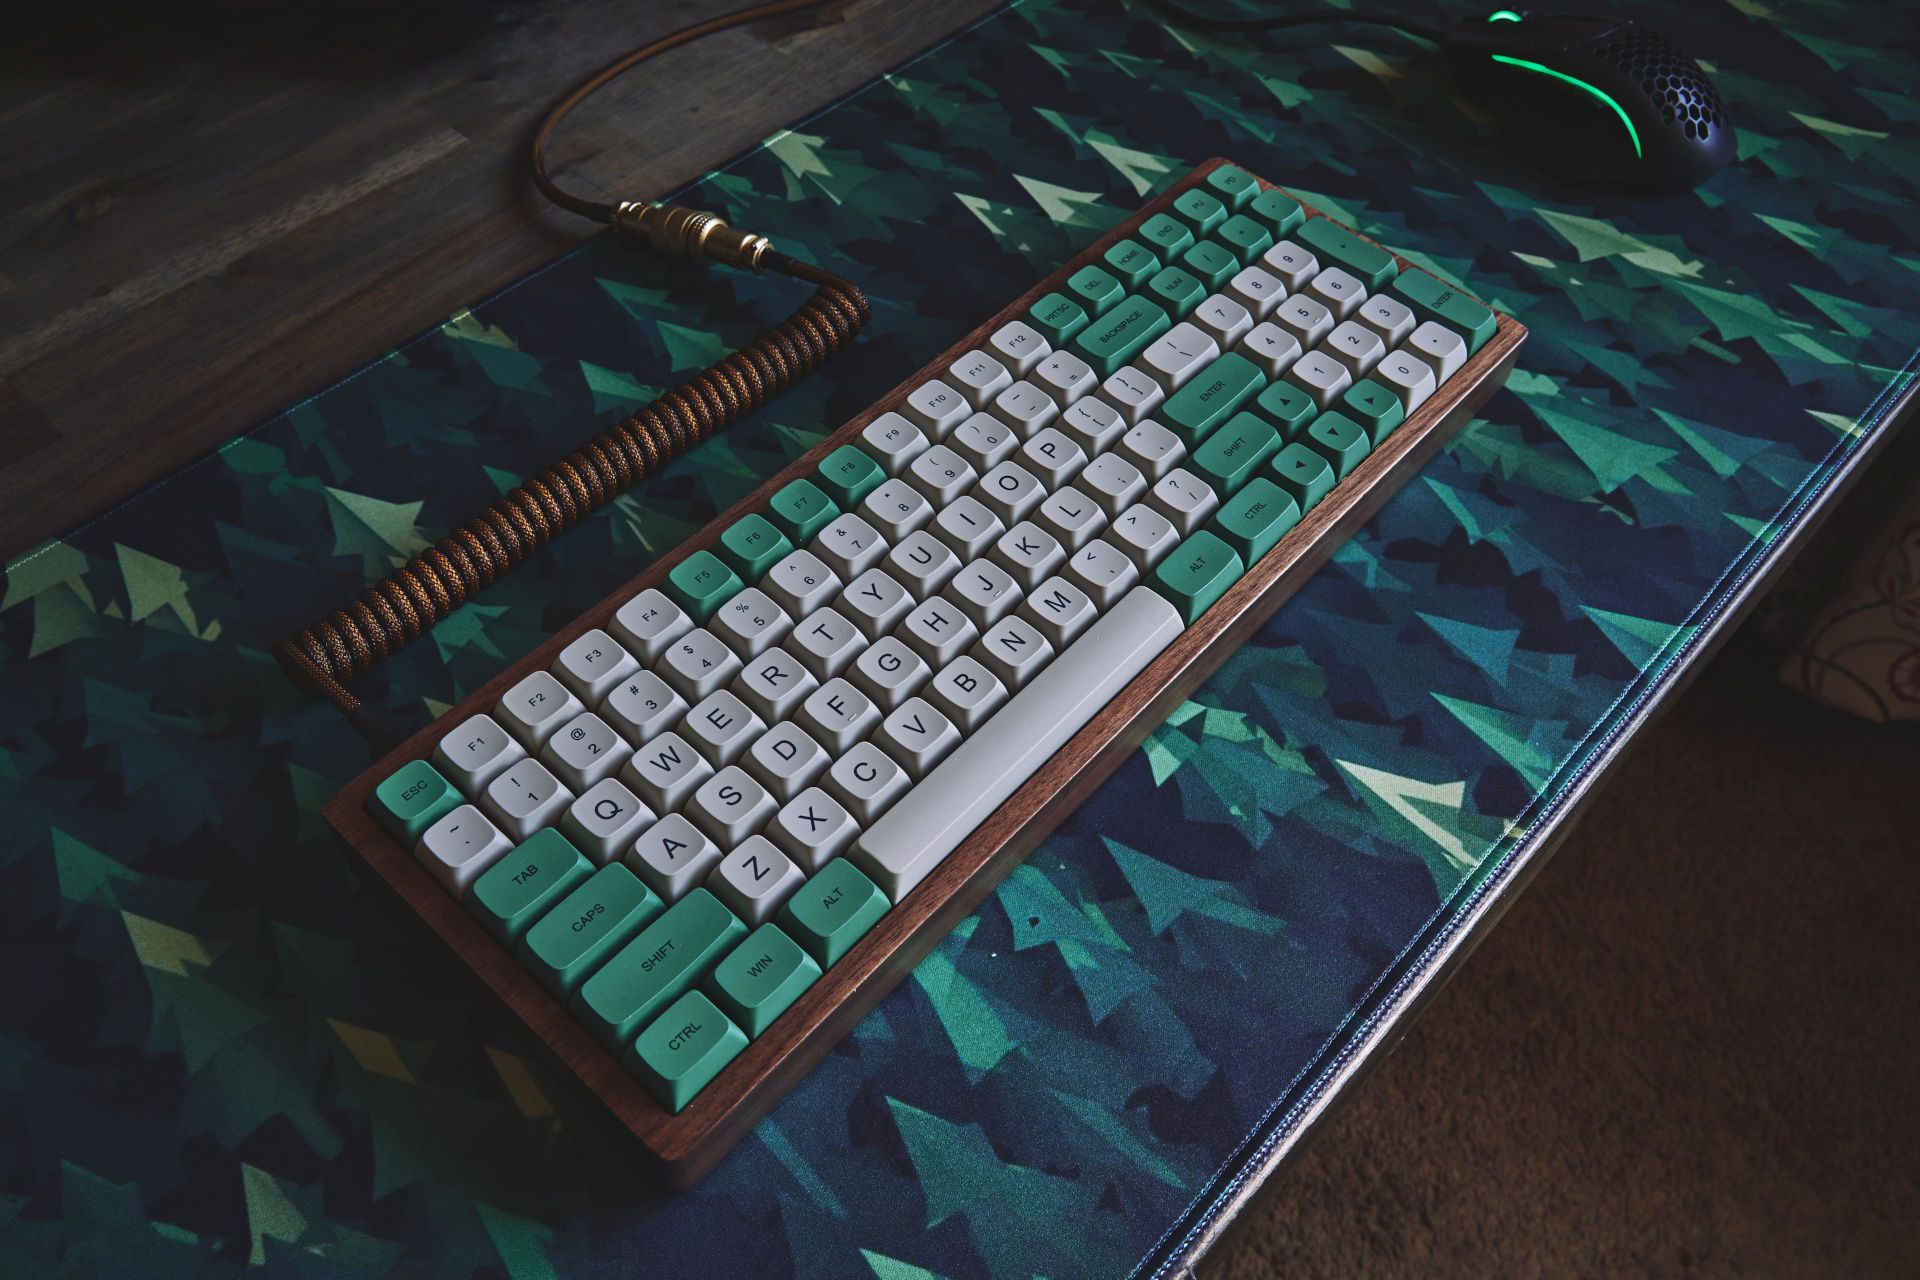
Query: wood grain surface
682,1147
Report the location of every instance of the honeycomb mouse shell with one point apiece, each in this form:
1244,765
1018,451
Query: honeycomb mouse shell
1596,99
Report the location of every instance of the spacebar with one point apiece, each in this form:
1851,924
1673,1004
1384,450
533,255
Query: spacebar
962,791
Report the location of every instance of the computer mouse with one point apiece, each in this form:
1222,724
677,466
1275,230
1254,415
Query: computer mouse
1596,99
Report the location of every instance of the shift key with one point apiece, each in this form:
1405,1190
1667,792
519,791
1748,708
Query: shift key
649,973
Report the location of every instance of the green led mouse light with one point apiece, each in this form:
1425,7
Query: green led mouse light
1602,95
1503,15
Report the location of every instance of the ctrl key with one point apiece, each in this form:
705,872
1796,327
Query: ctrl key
684,1049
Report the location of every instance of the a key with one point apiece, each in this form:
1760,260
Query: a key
1059,611
968,527
698,663
755,880
1305,318
1408,377
917,736
1014,650
1052,457
892,441
939,631
1064,376
896,509
1018,346
979,377
875,602
1270,347
813,828
941,474
1029,553
1388,317
1356,347
1223,319
1025,407
535,707
1338,291
937,408
867,781
1443,349
922,563
1184,499
983,441
605,821
474,752
801,583
730,806
1113,482
751,622
1152,448
1144,535
1133,393
1257,289
786,759
838,715
524,798
672,856
1103,571
826,643
888,671
650,622
1071,516
458,847
1010,492
849,545
721,726
665,771
584,750
1291,264
1091,423
643,707
593,665
1320,376
985,592
1177,355
966,693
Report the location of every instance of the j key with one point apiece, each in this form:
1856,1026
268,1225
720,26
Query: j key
525,798
1113,482
474,753
1014,650
801,583
1133,393
605,821
813,828
979,377
917,736
698,663
1071,516
968,527
665,771
1052,457
755,880
644,707
922,563
939,631
1103,571
786,759
867,781
983,441
458,847
1152,448
889,672
838,715
593,665
721,726
650,622
941,474
731,805
673,856
985,592
535,707
893,442
1018,346
1059,611
966,693
875,602
585,750
849,545
937,408
751,622
826,643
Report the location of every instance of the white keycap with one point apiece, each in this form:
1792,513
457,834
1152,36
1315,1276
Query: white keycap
1388,317
643,708
1064,376
1152,448
1052,457
979,377
1010,492
1113,482
1071,516
966,693
892,441
1320,376
1184,499
1133,393
922,564
1443,349
650,622
1093,424
983,441
1340,291
786,759
968,527
525,798
849,545
867,781
875,602
1306,319
1270,347
665,771
605,821
896,509
698,663
939,631
1407,376
593,665
751,622
1292,265
773,684
1059,611
535,707
801,583
889,672
721,726
1222,319
1356,347
731,805
473,753
1174,357
1019,346
755,880
1144,535
1014,650
937,408
826,643
1025,407
1103,571
1257,289
583,751
985,592
838,715
917,736
813,828
673,856
458,847
1029,553
941,474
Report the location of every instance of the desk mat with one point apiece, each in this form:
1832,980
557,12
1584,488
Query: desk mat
218,1049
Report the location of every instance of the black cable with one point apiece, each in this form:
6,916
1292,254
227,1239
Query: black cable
1206,22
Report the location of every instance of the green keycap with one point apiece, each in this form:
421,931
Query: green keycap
1278,210
515,891
1211,397
1333,242
800,510
1095,288
1286,407
760,978
1120,335
1213,264
413,798
1197,572
1302,473
849,475
1233,185
1434,299
1255,518
1373,407
1248,239
648,973
1166,236
586,927
702,583
752,545
681,1053
832,911
1057,317
1199,210
1338,439
1230,456
1132,261
1175,290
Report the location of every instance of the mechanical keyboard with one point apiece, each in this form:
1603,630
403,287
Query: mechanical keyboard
692,838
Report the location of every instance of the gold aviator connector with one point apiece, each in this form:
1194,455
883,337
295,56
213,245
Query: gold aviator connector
690,233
